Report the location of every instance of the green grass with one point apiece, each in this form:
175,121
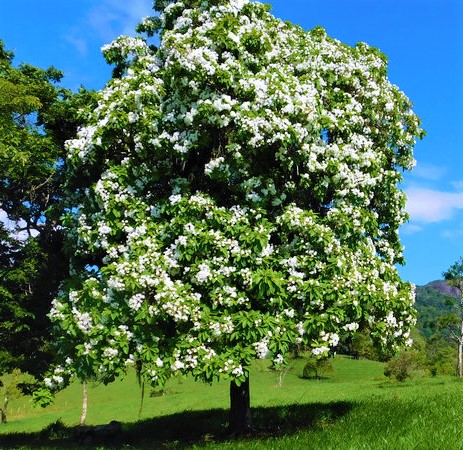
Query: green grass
354,407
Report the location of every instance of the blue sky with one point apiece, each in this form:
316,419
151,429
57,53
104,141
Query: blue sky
423,40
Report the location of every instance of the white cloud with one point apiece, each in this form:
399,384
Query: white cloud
428,171
104,21
77,41
427,205
111,18
410,228
454,234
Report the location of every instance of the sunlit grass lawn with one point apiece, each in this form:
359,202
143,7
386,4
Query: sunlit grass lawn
354,407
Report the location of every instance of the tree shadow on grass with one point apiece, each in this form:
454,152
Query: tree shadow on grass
181,430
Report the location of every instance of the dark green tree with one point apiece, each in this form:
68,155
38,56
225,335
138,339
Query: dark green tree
441,355
434,300
36,117
454,324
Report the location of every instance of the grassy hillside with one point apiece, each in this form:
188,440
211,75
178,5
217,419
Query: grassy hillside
121,400
353,407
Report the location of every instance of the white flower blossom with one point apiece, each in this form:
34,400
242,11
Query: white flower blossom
204,273
351,326
238,371
175,198
110,352
320,350
177,365
262,349
159,362
136,301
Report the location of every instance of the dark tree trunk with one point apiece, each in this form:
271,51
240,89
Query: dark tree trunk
240,408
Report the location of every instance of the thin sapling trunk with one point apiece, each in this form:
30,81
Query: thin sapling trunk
83,415
5,406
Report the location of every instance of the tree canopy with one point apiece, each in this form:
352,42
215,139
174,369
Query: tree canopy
36,118
234,194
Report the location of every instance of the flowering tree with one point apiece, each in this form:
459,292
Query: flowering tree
236,194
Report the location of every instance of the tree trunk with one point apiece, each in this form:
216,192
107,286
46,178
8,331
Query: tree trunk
460,341
83,415
240,408
3,410
460,351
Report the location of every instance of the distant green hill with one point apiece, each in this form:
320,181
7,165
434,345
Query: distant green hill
433,300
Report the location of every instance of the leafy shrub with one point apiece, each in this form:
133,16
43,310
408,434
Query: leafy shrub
317,367
405,364
54,431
